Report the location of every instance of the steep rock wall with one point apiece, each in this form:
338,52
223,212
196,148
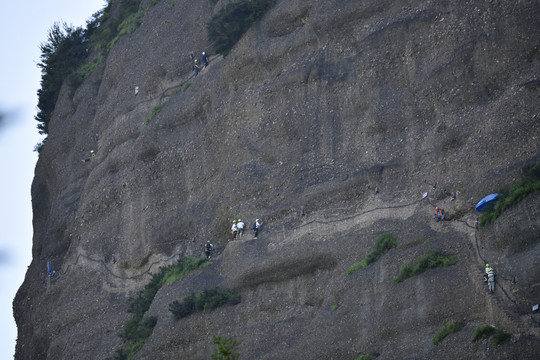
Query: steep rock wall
319,103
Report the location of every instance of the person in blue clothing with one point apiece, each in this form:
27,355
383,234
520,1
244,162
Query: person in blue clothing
196,68
439,214
205,59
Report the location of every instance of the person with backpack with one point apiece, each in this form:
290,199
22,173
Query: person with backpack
208,249
439,214
256,226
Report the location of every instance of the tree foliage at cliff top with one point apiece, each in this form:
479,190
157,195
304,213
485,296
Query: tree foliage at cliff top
66,51
231,22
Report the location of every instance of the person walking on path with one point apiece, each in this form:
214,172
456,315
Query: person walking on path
240,226
256,227
486,273
205,59
234,230
208,249
196,68
491,280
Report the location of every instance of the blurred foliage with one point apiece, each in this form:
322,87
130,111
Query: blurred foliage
231,22
225,349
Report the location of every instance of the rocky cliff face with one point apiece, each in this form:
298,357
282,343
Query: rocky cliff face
318,104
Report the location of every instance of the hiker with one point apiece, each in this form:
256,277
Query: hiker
240,227
92,154
439,214
491,280
204,59
256,227
196,67
208,249
234,230
486,273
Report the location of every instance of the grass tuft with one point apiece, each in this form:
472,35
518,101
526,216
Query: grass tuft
433,259
448,329
154,112
383,243
483,332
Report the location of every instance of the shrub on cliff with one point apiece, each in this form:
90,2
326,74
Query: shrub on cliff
433,259
448,329
227,26
207,299
383,243
225,349
483,332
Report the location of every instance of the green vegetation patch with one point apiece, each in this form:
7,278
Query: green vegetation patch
231,22
486,331
138,328
63,53
185,86
225,349
509,198
433,259
139,331
383,243
154,112
207,299
367,357
448,329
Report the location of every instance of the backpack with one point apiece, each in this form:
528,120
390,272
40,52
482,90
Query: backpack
255,225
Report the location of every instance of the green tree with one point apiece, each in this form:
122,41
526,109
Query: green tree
66,49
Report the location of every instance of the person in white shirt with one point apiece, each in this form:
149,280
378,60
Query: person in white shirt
234,230
256,227
240,226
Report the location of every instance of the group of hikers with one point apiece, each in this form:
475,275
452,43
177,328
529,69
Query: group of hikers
195,65
237,231
237,228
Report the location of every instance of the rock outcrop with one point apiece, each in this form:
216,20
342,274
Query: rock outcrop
319,103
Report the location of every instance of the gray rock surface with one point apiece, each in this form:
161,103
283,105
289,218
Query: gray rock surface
317,105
